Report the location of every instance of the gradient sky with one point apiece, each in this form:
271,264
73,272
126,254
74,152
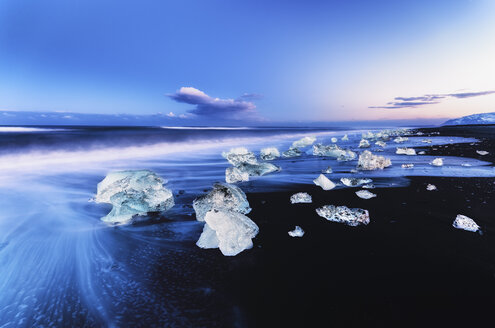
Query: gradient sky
293,60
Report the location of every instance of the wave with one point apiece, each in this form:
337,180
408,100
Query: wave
25,129
207,128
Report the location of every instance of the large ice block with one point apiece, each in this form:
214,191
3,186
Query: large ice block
223,196
368,161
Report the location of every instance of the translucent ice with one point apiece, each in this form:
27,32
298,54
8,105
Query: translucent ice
365,194
405,151
368,161
297,232
258,169
230,231
407,166
345,138
304,142
223,196
301,197
400,139
268,154
437,162
234,174
239,155
380,143
465,223
364,143
292,152
333,151
133,192
431,187
482,152
343,214
327,170
354,182
324,182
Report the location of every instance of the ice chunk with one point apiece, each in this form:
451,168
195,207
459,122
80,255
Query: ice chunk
482,152
268,154
407,166
258,169
368,135
345,138
343,214
334,140
431,187
365,194
301,197
292,152
400,139
333,151
240,155
297,232
426,141
437,162
234,174
354,182
233,231
422,152
465,223
327,170
466,164
369,186
304,142
380,144
324,182
405,151
364,143
133,192
368,161
223,196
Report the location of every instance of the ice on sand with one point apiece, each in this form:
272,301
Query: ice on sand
400,139
304,142
365,194
482,152
301,197
407,166
333,151
268,154
380,144
343,214
324,182
245,165
345,138
465,223
133,192
431,187
292,152
226,197
354,182
368,161
437,162
240,155
405,151
327,170
297,232
364,143
334,140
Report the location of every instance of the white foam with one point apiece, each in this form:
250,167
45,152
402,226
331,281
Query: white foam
25,129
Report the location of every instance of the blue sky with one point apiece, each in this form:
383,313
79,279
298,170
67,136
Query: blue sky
255,60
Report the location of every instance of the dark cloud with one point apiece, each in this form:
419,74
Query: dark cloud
431,99
209,106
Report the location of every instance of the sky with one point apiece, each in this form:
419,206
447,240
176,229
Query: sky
259,61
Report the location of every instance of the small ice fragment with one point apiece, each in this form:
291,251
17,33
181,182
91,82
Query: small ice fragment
345,138
354,182
239,155
368,135
466,164
232,230
380,143
222,197
405,151
301,197
297,232
422,152
234,174
365,194
368,161
407,166
368,186
304,142
426,141
343,214
324,182
364,143
327,170
431,187
268,154
133,192
482,152
334,140
437,162
400,139
292,152
465,223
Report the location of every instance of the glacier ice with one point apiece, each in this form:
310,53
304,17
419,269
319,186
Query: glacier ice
334,140
301,197
345,138
223,196
268,154
400,139
354,182
380,143
407,166
343,214
437,162
304,142
465,223
368,186
405,151
133,192
364,143
422,152
234,174
333,151
368,135
297,232
230,231
365,194
426,141
240,155
292,152
431,187
327,170
482,152
368,161
245,165
324,182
